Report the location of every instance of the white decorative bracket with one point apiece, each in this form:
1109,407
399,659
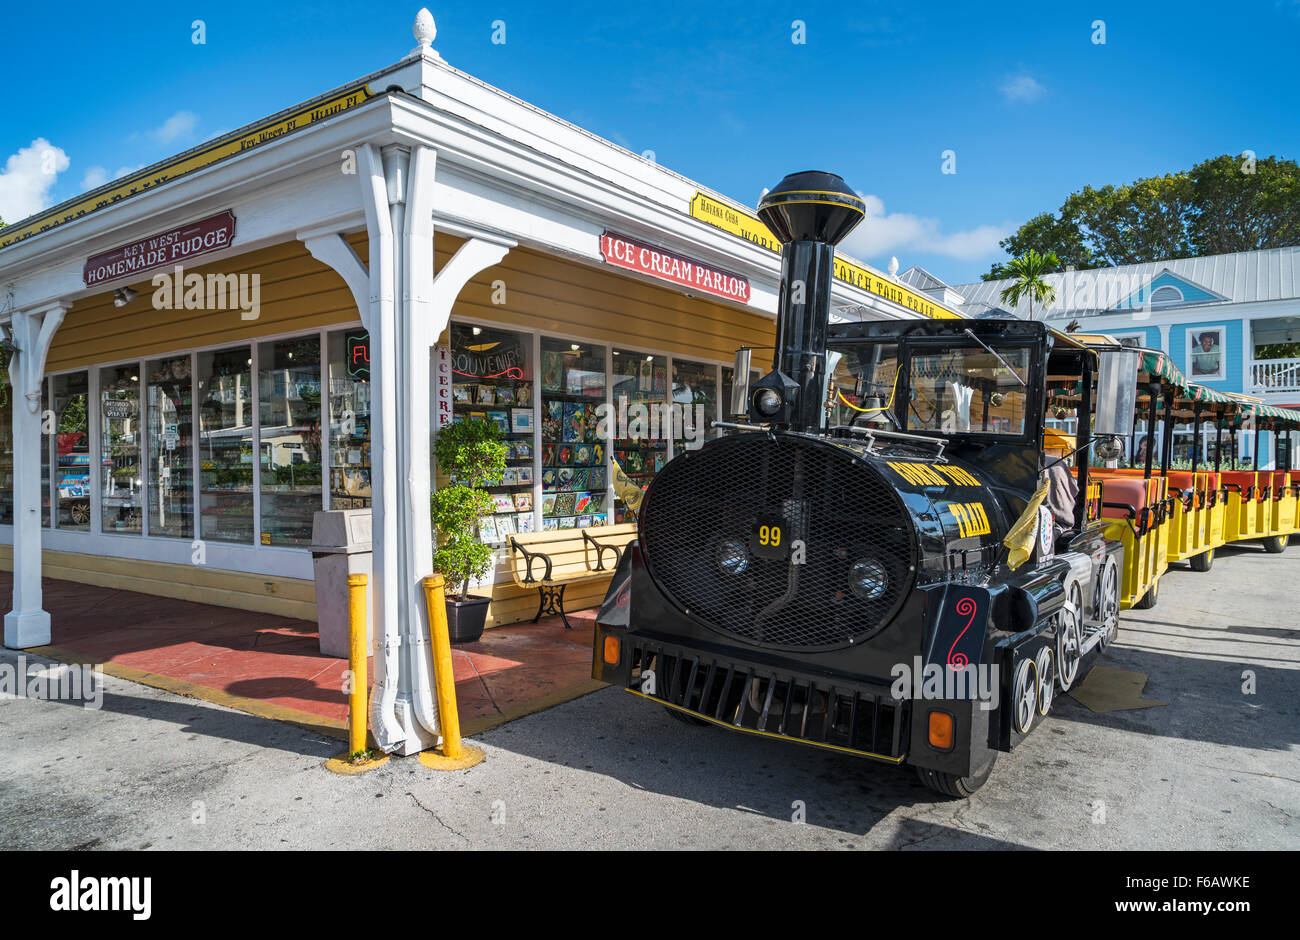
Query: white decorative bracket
470,258
333,250
33,333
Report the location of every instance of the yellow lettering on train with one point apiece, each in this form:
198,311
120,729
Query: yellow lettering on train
971,519
920,474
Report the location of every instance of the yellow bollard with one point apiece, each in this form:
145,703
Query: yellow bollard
454,755
358,650
357,653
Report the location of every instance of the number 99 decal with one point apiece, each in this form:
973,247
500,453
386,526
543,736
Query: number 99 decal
768,539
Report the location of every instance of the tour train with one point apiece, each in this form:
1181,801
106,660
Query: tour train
899,552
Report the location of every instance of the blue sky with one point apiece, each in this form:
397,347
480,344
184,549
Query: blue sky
1031,106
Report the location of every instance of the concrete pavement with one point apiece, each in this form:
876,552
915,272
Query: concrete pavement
1214,768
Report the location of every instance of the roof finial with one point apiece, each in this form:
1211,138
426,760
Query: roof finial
893,267
424,30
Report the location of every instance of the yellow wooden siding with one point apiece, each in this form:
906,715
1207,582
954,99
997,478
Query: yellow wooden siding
297,293
287,597
543,292
555,295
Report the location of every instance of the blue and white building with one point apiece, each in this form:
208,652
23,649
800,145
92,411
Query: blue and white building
1224,319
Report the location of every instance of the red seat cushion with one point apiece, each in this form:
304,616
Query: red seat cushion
1243,478
1120,490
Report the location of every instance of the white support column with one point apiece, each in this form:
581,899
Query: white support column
28,624
408,310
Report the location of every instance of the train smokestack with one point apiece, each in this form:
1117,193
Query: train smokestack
810,212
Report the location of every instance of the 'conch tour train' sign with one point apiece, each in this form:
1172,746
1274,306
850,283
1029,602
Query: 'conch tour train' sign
159,250
271,129
749,227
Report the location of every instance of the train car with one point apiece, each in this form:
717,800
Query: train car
891,556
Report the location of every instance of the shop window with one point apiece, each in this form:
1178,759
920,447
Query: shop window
122,474
46,444
72,443
349,404
289,438
225,395
492,379
575,468
170,450
6,450
640,438
694,403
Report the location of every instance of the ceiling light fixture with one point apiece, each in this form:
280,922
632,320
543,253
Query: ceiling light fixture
123,296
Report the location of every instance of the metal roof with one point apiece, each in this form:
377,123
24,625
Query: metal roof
1241,277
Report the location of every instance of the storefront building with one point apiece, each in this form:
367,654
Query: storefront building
1230,322
211,350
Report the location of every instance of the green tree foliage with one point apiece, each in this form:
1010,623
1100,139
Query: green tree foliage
472,454
1027,279
1223,204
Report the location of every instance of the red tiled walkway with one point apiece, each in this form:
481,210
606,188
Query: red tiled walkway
267,660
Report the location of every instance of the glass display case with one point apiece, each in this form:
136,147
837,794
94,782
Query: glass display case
575,460
122,473
170,447
492,379
225,395
71,398
289,400
349,404
640,447
695,403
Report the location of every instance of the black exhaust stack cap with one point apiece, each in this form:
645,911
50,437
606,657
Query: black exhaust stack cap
810,212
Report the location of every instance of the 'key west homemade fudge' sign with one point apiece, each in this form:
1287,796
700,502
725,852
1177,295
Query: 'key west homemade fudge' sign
163,249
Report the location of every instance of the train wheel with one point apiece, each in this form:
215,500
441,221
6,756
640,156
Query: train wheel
1276,545
1149,598
955,786
1204,561
1069,639
686,719
1046,680
1108,603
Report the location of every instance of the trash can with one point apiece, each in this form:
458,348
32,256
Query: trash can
340,546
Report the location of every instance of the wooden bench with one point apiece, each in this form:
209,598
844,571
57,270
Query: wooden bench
552,560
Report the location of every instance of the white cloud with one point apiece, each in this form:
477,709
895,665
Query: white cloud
180,124
95,177
895,233
28,177
1023,87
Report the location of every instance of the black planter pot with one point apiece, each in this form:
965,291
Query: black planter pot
465,618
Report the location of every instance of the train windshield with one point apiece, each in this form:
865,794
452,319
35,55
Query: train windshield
865,377
967,390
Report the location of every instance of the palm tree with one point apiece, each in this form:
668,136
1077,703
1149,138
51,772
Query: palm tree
1027,279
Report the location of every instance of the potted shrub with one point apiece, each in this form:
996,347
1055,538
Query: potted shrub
471,453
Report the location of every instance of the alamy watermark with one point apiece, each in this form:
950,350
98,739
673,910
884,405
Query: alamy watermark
176,290
933,681
55,683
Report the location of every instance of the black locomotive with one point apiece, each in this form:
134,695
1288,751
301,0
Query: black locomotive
882,560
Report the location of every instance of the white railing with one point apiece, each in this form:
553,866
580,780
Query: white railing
1274,375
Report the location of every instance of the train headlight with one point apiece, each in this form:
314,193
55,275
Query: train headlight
767,402
733,557
867,579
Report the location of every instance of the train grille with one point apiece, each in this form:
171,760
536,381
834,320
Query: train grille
847,718
702,511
